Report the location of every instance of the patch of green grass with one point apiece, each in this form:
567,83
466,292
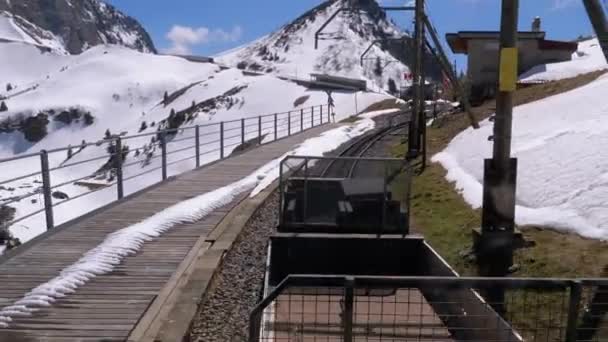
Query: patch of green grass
440,214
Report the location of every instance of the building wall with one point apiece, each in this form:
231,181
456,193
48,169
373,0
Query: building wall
483,61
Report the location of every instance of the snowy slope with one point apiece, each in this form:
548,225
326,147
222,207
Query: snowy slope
290,50
561,144
121,89
588,58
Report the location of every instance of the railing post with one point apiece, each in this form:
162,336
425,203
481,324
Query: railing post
118,165
163,147
328,114
260,130
222,140
242,131
46,189
301,120
576,291
281,208
255,322
347,314
312,117
289,124
321,115
275,126
197,148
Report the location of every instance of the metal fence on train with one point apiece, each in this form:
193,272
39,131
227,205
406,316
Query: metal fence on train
208,143
383,309
345,191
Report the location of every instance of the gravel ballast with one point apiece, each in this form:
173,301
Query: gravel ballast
224,310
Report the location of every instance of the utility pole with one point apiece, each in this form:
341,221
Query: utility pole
600,24
418,107
590,324
495,243
451,73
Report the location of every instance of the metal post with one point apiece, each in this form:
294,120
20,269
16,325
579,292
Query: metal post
312,117
275,126
118,165
301,120
435,98
254,326
349,301
328,113
499,177
495,243
242,131
414,126
260,130
384,199
222,140
281,194
289,123
163,147
46,189
451,73
600,24
320,115
508,77
305,204
576,291
197,148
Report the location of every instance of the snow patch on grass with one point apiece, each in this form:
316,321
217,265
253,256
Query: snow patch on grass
560,143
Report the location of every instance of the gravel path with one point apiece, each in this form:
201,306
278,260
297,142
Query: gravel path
224,311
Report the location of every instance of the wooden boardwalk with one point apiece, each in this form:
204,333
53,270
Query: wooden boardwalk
109,306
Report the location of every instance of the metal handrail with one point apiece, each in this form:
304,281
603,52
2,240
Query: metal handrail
33,174
429,283
266,129
65,166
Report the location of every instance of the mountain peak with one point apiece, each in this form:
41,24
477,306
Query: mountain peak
75,25
290,51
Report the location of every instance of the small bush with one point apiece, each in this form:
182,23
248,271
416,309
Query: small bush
242,65
301,100
392,86
88,119
35,127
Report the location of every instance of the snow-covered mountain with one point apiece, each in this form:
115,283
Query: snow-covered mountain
52,99
70,26
290,51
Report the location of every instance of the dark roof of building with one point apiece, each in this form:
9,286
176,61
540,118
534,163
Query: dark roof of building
458,41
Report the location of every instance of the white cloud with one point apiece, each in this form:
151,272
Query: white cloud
561,4
184,38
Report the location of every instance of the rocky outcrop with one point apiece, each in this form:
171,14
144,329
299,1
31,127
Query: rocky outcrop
79,23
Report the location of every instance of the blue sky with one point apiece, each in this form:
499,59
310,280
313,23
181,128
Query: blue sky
210,26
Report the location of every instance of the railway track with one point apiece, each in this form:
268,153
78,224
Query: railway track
360,147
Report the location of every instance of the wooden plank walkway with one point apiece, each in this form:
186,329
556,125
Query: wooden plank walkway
109,306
